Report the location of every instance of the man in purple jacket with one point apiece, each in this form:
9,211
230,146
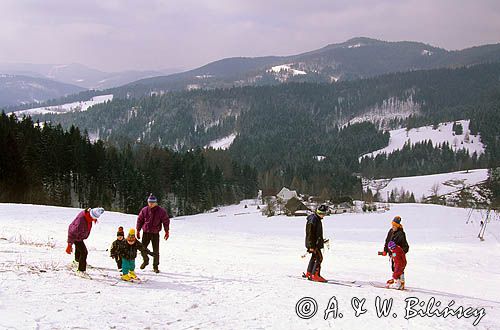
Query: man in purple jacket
150,220
78,231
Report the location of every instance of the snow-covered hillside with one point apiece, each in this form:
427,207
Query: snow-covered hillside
223,143
423,186
443,133
74,106
285,71
390,109
236,269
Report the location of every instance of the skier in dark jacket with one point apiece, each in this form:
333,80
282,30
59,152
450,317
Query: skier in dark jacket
78,231
115,248
398,236
314,243
150,220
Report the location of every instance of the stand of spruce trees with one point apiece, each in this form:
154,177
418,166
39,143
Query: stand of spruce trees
45,164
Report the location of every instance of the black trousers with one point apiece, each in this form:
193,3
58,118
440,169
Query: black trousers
154,238
81,255
118,262
315,262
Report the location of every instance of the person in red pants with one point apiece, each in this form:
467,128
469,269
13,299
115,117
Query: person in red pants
399,259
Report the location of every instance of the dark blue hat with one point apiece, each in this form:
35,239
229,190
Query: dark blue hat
152,199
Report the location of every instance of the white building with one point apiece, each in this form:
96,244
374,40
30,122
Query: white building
285,194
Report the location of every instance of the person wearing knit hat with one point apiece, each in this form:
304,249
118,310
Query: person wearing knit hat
314,243
398,256
95,213
128,252
150,220
115,248
397,235
78,231
152,199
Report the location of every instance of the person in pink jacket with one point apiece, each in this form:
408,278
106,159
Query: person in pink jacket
78,231
150,220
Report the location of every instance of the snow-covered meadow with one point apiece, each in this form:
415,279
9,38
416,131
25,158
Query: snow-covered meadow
236,269
427,185
68,107
443,133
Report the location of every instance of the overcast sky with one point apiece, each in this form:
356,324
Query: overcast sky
114,35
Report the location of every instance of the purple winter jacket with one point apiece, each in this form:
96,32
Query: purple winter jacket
79,229
150,220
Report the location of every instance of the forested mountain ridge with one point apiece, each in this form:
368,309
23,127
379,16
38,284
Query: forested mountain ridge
189,119
353,59
350,60
17,89
281,129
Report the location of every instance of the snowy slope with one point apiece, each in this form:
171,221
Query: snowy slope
235,269
68,107
423,185
223,143
444,133
390,109
285,71
286,67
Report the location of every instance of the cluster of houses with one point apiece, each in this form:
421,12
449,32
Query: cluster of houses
290,203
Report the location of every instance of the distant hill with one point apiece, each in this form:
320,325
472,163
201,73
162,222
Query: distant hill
353,59
79,75
256,115
22,89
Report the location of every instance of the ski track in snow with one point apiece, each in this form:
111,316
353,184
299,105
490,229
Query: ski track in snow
235,269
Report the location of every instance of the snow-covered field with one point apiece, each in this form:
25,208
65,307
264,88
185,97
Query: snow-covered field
443,133
235,269
423,185
68,107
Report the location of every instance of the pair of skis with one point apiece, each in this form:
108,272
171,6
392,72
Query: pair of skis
337,282
355,284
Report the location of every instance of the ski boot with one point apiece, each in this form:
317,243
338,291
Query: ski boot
156,270
396,285
316,277
307,275
389,282
83,274
132,275
126,277
144,264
